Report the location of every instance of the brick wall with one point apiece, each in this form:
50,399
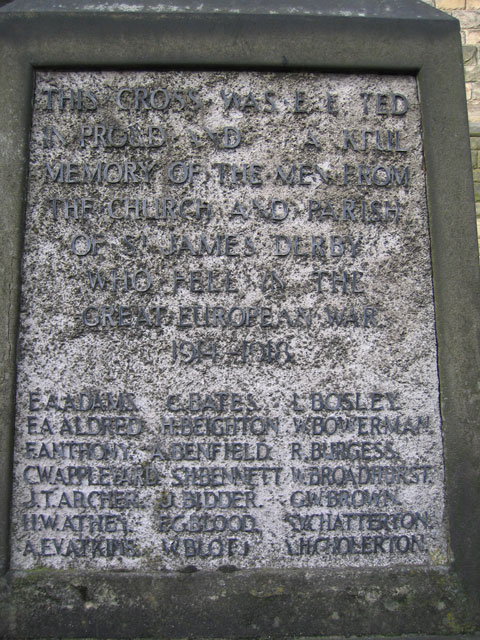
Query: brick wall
468,13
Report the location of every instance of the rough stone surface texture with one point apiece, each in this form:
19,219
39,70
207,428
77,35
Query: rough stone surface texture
227,353
363,8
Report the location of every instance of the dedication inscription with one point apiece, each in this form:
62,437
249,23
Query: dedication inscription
227,353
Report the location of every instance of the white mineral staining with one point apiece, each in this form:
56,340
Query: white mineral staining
227,351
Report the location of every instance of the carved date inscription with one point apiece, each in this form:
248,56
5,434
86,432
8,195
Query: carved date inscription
227,352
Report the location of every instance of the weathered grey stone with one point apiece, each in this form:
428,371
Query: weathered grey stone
389,9
437,591
264,278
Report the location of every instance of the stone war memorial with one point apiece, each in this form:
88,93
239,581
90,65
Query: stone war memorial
240,310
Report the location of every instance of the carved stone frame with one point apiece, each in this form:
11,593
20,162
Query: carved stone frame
415,39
